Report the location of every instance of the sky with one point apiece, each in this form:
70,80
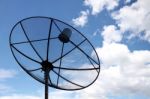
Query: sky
118,29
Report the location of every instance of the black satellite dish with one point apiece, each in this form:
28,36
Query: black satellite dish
54,53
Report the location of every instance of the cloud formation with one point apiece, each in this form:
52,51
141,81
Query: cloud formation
124,72
111,34
135,19
98,5
82,19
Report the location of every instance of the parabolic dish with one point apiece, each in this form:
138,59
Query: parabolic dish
40,41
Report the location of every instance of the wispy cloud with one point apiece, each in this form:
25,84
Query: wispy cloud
98,5
111,34
4,74
82,19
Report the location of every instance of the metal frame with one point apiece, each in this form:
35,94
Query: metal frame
47,77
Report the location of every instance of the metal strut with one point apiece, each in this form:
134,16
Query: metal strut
46,83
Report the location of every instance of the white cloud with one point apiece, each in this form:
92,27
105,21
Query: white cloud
124,72
82,19
98,5
113,54
111,34
135,19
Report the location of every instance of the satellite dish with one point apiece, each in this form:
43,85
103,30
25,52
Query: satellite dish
54,53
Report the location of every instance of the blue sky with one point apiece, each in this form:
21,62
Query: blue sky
118,29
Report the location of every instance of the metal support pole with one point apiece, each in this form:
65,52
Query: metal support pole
46,84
